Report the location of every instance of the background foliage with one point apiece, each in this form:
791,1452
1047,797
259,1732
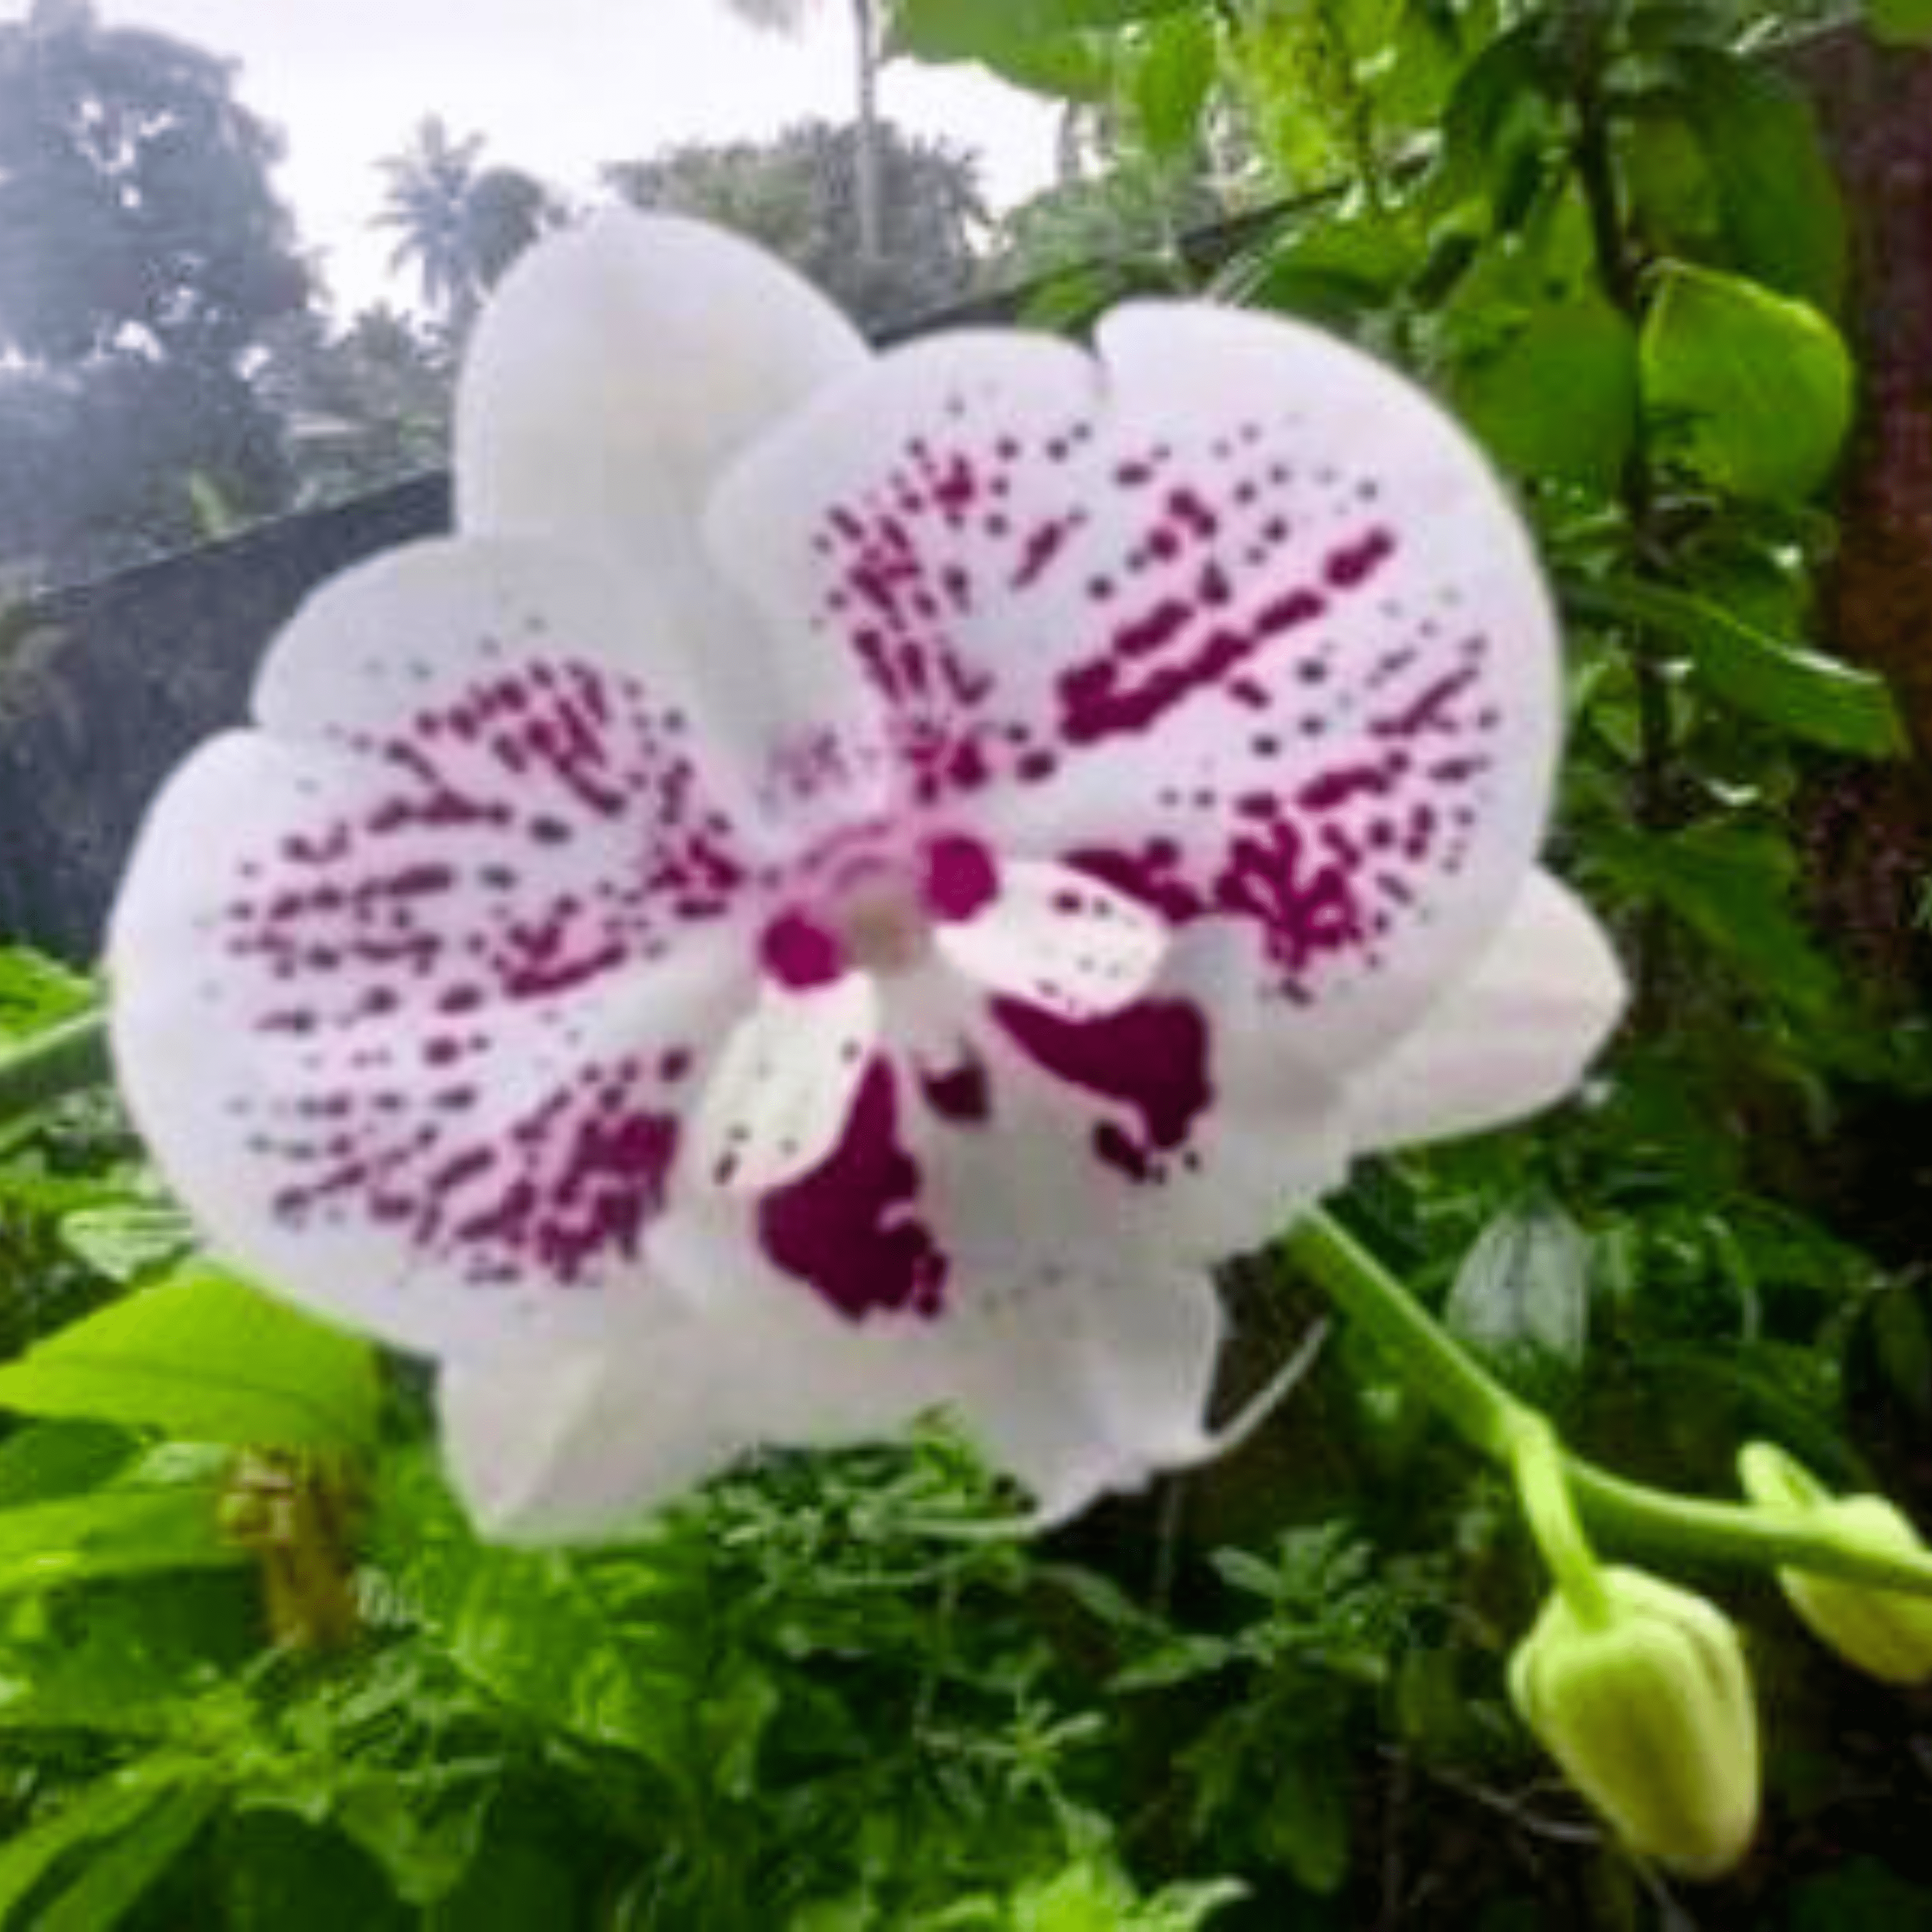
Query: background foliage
254,1670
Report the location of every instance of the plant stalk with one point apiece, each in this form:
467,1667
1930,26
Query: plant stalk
1499,1424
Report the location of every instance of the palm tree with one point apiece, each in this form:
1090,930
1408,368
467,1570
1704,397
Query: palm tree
426,203
787,16
462,227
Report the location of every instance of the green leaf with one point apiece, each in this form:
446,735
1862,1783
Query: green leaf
1900,23
1732,885
1756,129
1081,67
1583,351
118,1532
128,1237
36,992
1095,1896
1751,390
147,1804
1171,74
1817,698
119,1874
947,30
1304,1825
50,1460
208,1359
1521,1296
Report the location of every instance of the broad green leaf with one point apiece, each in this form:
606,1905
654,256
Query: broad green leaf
208,1359
1813,697
1751,390
119,1872
1078,67
161,1788
1170,76
945,30
1582,351
1521,1296
1776,193
119,1532
1903,23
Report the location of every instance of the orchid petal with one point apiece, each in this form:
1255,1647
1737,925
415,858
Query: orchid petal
779,1096
1073,1382
564,1444
409,988
1177,1126
616,373
1059,940
1512,1037
1241,623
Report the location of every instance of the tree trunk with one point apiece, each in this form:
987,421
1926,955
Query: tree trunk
866,157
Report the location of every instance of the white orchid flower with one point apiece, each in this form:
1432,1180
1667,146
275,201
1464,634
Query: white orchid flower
852,880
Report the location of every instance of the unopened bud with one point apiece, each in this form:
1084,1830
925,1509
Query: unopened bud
1650,1714
1886,1633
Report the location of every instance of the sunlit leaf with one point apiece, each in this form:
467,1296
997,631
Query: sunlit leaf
116,1532
1171,77
208,1359
1749,389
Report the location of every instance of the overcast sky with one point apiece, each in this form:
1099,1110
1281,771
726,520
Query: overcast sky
556,86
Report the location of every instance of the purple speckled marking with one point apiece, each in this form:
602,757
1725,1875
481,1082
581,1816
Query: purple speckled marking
1147,1062
1028,598
529,836
849,1228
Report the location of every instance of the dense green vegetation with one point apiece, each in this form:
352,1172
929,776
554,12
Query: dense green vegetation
256,1673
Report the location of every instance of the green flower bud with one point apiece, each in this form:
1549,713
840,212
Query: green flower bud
1649,1712
1886,1633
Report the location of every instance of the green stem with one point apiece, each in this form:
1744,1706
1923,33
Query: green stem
1473,1402
1499,1424
50,1066
1543,1488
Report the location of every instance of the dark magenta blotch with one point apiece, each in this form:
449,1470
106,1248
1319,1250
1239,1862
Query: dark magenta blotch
962,878
848,1229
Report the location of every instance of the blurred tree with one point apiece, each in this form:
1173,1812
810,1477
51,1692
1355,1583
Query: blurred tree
136,212
798,195
424,204
869,158
361,407
143,254
460,226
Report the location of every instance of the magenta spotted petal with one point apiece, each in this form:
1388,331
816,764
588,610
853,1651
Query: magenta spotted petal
412,987
850,882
